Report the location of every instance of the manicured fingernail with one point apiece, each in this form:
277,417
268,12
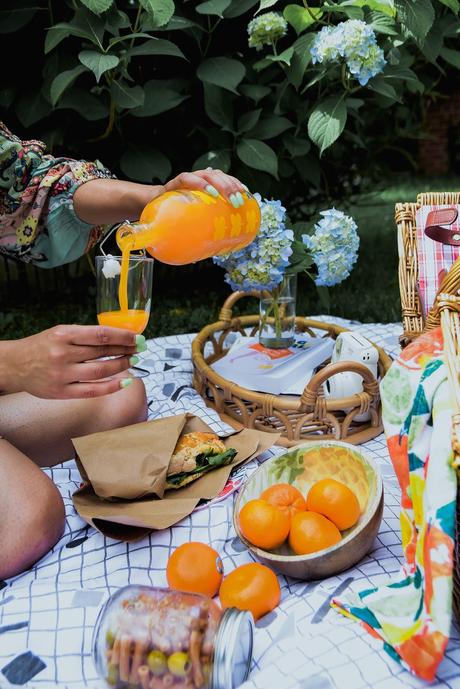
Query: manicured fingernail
239,196
245,187
212,191
125,382
140,343
134,360
234,201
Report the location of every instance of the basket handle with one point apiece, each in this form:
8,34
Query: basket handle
226,312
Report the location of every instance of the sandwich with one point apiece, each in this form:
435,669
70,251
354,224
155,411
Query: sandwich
194,455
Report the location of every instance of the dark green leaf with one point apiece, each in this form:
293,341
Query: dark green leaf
89,106
222,71
213,7
451,56
300,18
156,46
160,96
327,121
31,108
301,59
417,17
160,11
258,155
239,7
248,120
127,37
285,56
116,20
453,5
176,23
63,81
317,73
219,106
265,4
271,126
296,145
145,164
126,96
98,62
219,160
382,23
97,6
350,10
379,85
434,42
89,24
54,36
255,91
14,19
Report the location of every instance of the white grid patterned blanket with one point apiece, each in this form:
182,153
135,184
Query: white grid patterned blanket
47,614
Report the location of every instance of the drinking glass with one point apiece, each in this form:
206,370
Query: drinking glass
139,291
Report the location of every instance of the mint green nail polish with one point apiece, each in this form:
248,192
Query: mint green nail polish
239,196
125,382
212,191
234,201
245,187
140,344
134,360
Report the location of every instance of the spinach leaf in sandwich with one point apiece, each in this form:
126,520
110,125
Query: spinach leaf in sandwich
204,463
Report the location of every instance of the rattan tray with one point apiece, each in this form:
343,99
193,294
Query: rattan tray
298,418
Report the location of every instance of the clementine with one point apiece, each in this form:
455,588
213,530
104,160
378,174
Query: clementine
252,587
285,497
195,568
311,532
263,524
335,501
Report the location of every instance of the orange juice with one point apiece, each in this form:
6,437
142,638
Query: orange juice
130,319
182,227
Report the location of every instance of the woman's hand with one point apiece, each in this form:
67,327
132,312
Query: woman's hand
213,182
63,362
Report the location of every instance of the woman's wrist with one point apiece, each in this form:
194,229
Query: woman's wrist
108,201
10,375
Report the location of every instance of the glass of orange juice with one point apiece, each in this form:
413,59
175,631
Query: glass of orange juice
134,314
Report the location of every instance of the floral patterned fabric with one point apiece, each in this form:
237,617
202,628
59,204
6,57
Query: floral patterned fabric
38,223
412,613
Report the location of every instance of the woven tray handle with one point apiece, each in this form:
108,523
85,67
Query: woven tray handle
226,312
449,312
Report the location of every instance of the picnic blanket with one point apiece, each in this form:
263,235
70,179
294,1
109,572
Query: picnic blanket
48,613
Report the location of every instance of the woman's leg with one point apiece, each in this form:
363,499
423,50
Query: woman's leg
37,431
42,429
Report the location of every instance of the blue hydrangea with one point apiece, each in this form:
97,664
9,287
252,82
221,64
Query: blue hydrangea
333,246
261,264
355,42
266,29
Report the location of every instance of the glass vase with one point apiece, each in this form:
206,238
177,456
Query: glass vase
277,314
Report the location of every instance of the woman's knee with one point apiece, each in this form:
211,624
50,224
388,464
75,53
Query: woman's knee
35,528
128,406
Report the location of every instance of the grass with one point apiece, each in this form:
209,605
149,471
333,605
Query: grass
185,299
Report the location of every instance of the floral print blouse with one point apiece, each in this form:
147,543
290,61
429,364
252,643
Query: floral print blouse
38,223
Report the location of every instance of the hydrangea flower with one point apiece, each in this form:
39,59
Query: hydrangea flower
333,246
266,29
355,42
261,264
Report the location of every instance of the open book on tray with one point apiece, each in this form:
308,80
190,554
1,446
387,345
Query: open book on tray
276,371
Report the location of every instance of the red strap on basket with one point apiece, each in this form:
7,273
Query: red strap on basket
445,235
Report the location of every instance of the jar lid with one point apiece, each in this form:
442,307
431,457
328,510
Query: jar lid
233,649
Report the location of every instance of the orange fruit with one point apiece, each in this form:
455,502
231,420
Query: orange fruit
195,568
285,497
311,532
335,501
263,524
252,587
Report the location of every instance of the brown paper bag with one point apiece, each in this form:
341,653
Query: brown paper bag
129,519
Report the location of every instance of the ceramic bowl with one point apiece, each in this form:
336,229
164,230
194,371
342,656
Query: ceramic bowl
302,467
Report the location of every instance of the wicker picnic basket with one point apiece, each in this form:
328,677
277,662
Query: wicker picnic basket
412,313
445,312
297,418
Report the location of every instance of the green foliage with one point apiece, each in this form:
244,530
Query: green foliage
154,87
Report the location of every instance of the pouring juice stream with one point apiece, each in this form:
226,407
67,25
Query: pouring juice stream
177,228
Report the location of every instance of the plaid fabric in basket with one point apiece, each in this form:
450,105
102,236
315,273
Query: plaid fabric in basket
433,257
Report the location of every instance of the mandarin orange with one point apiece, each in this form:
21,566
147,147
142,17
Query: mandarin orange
286,497
252,587
335,501
263,524
311,532
195,568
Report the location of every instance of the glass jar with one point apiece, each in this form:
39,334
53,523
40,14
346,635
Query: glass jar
277,314
154,638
